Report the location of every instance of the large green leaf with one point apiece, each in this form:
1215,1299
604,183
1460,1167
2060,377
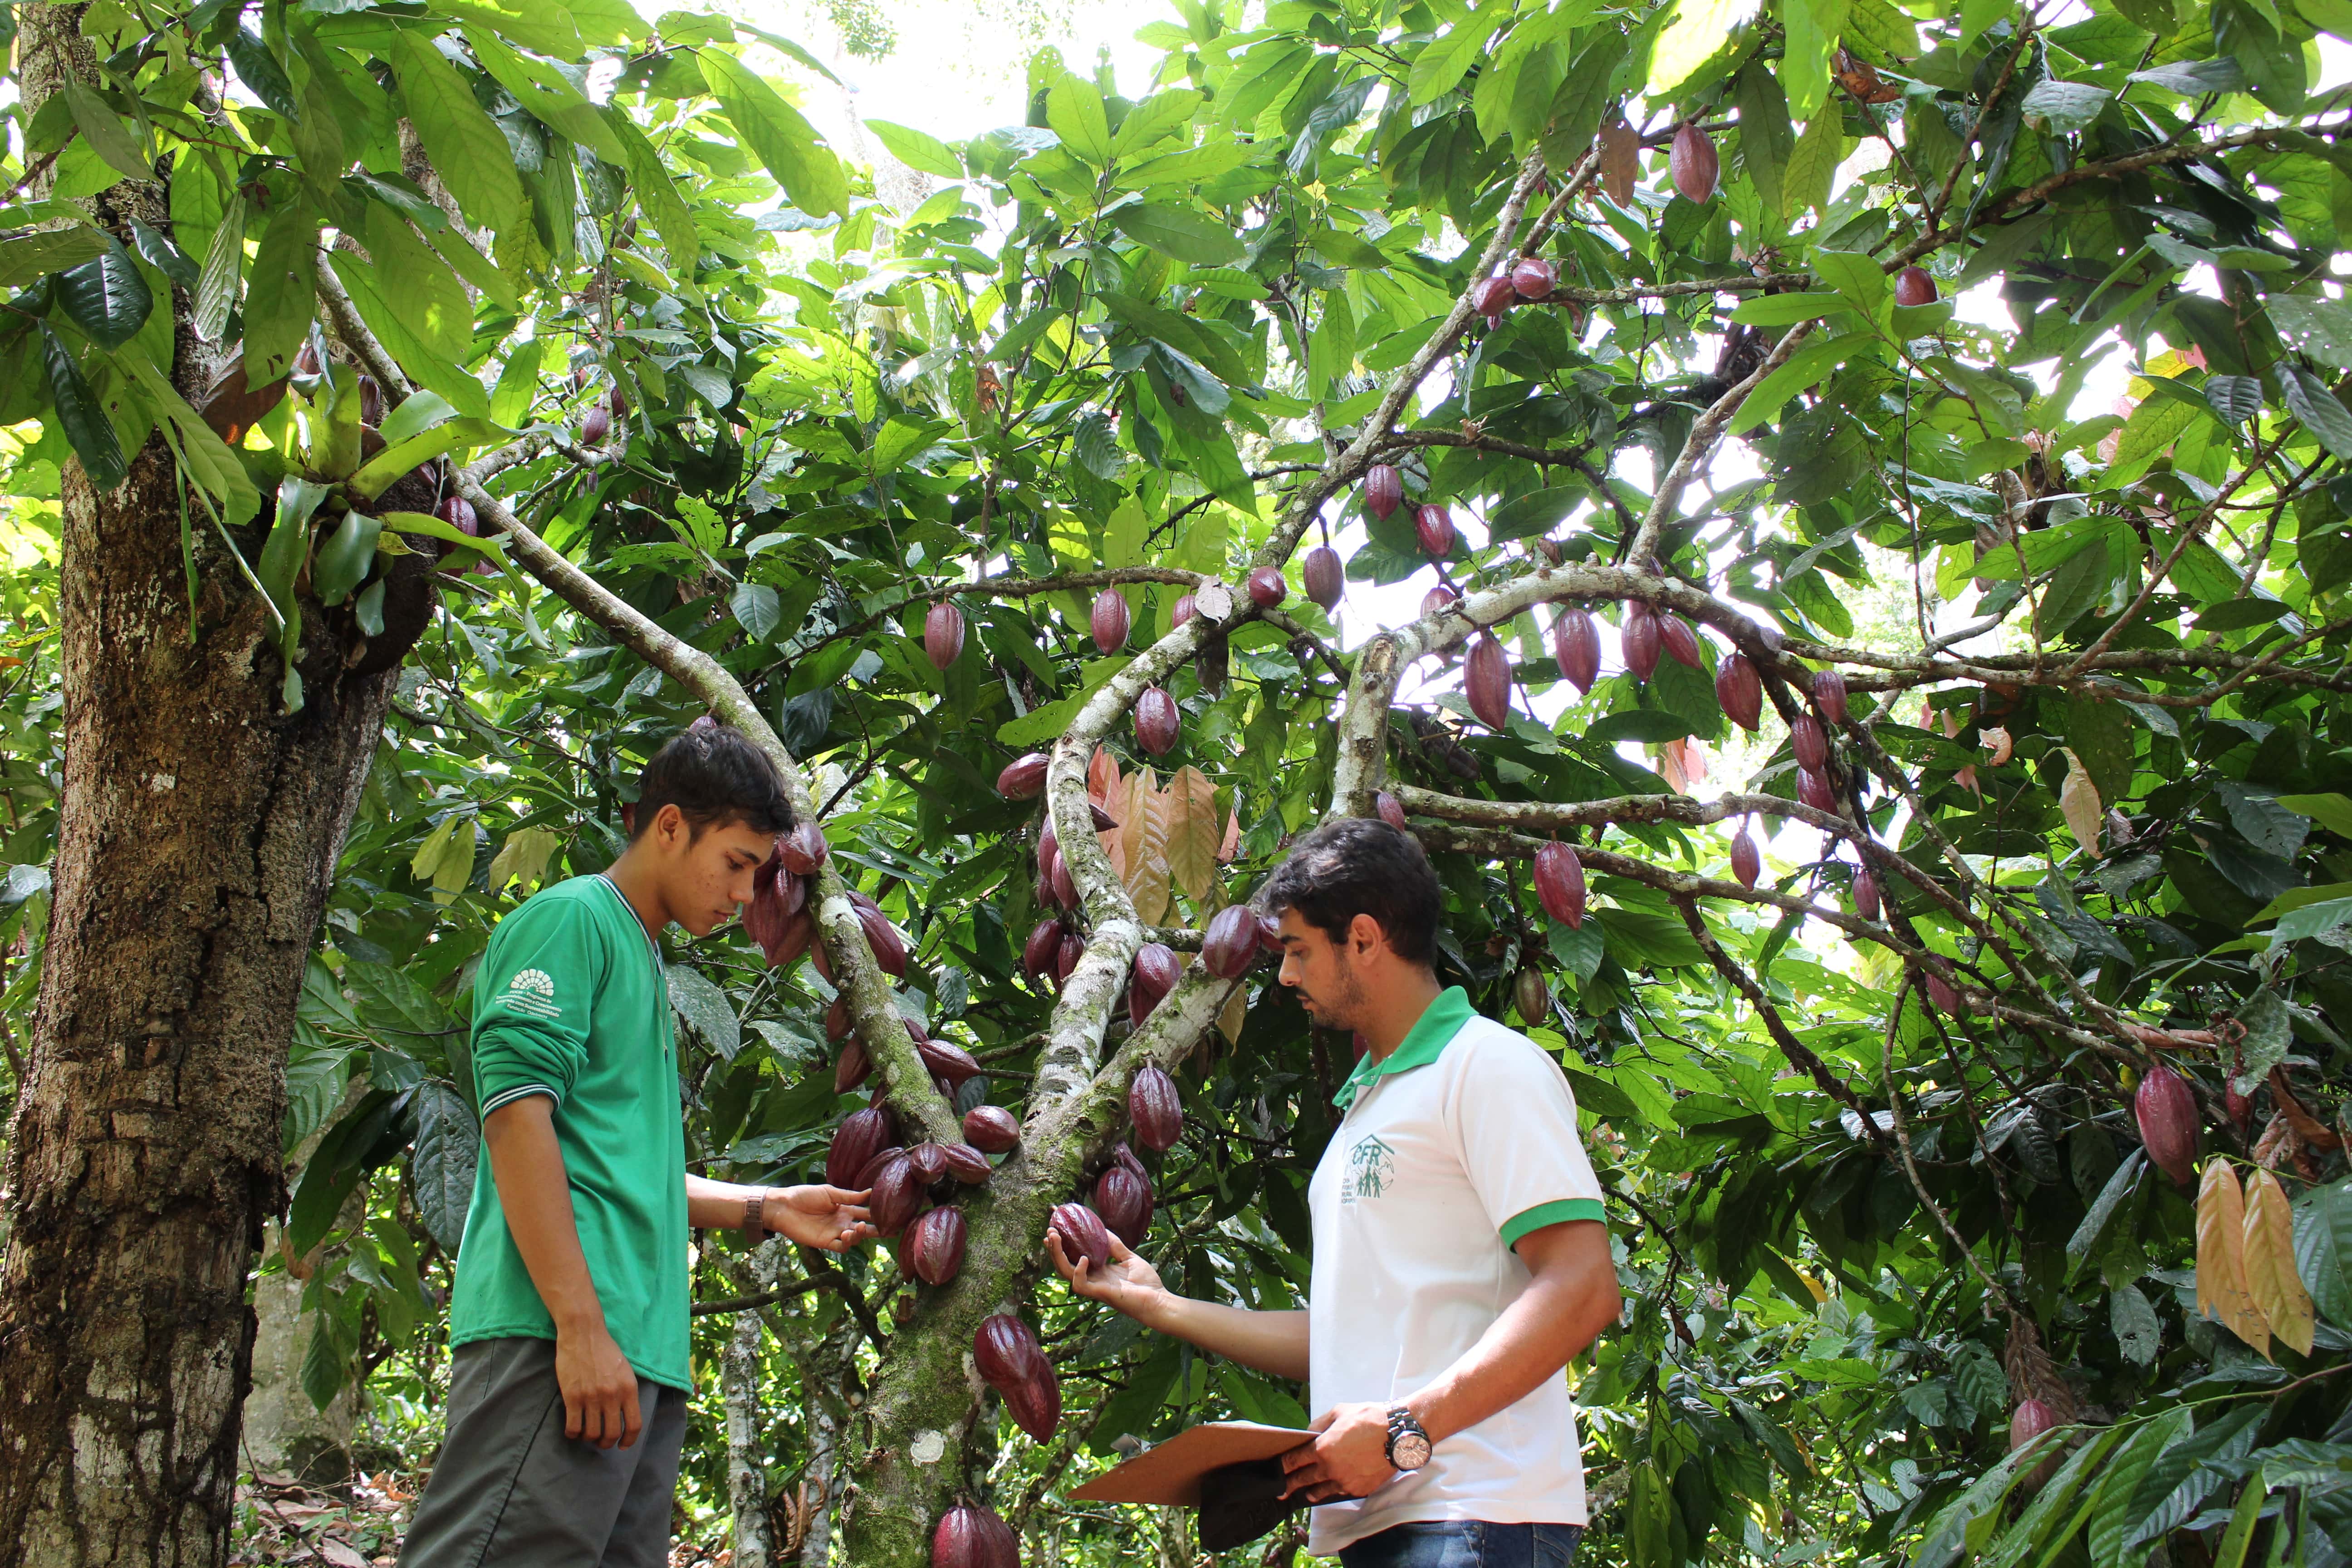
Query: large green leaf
86,427
105,296
468,150
281,300
1179,233
785,142
448,1144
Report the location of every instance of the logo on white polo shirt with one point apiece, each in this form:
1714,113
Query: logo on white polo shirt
1371,1167
530,991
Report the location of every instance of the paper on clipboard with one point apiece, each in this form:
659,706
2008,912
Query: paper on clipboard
1170,1473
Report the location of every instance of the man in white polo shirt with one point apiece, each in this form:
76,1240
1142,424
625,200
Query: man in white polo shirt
1461,1259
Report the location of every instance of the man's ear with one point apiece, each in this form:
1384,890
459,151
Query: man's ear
1365,936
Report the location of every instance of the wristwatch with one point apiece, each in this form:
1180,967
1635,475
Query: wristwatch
1408,1440
755,1214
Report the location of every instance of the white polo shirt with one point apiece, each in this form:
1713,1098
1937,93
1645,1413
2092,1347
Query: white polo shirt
1459,1142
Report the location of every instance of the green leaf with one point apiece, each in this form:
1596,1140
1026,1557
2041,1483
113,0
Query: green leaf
325,1367
29,256
785,142
1767,138
2320,328
468,150
88,429
548,96
2309,400
1787,310
442,1172
1812,29
757,609
224,266
2323,1249
1442,64
419,285
2094,1229
1700,29
1811,361
1180,234
2332,812
1331,351
706,1009
1813,162
282,298
2153,426
1857,277
2137,1332
288,544
2064,106
2236,398
105,296
105,131
918,150
258,69
1073,108
345,557
517,386
1583,99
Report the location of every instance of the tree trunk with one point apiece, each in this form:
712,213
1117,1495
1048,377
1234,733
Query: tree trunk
197,833
827,1375
746,1471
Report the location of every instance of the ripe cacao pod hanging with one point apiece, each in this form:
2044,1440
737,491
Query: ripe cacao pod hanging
1156,1108
1003,1349
458,513
889,947
1066,888
1391,812
2167,1112
1576,644
1486,678
1124,1155
837,1019
617,400
852,1068
943,634
1533,277
306,360
1326,579
791,892
969,1537
1641,638
1156,721
933,1250
1433,526
1109,621
1747,863
1915,285
1829,695
1124,1200
2028,1421
1438,599
370,401
797,935
1946,999
1269,932
1083,1233
1740,690
1532,996
1230,946
1023,778
990,1128
1559,884
1179,612
1035,1402
1044,942
1814,790
898,1196
1809,742
803,850
861,1135
1103,820
876,1165
1383,490
1681,643
1865,893
967,1165
947,1060
1073,948
594,426
1692,163
1267,587
1493,296
930,1161
1153,977
1049,845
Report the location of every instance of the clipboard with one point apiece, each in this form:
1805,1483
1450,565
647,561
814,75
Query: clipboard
1170,1473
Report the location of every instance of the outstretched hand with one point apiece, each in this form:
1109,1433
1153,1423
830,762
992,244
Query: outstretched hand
831,1218
1126,1282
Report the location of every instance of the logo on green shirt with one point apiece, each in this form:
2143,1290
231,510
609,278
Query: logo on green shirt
1371,1166
530,991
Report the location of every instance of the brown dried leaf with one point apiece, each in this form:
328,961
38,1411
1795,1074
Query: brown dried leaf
1233,841
2078,802
1194,832
1144,824
2271,1278
1621,158
2221,1291
1236,1008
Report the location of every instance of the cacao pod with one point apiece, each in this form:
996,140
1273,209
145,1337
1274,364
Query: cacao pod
617,400
1269,934
898,1195
874,1167
1829,695
1486,675
791,892
1073,948
1230,947
1045,942
1692,163
1438,600
943,634
1004,1350
1156,1108
1066,890
949,1061
1391,812
1681,643
1103,820
852,1068
1124,1200
1533,277
305,359
1035,1402
596,425
931,1163
1576,643
1641,637
2168,1122
1049,845
1023,778
1154,976
990,1128
1747,863
2028,1421
1084,1236
1532,996
798,935
969,1537
766,916
803,850
1740,690
889,947
1156,721
861,1135
1110,620
1809,742
1267,587
1915,285
1179,612
1383,490
1433,526
1946,999
1865,893
933,1250
1326,578
1125,1156
1814,790
458,513
1493,296
371,400
1559,884
967,1165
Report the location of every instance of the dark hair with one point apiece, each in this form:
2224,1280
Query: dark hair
716,777
1361,865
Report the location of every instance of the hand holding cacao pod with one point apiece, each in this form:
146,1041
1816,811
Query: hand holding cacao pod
1124,1199
861,1135
1086,1240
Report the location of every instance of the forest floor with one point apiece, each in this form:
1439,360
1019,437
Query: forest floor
357,1524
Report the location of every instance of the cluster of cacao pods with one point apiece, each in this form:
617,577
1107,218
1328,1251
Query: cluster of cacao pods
1052,951
1559,884
971,1537
1006,1352
903,1184
777,917
1647,633
2166,1112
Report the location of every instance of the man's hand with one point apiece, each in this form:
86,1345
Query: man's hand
831,1218
600,1387
1127,1282
1348,1458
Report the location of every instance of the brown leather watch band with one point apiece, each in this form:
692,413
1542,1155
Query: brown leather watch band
755,1208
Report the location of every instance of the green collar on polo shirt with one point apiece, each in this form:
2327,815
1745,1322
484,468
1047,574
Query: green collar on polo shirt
1440,1022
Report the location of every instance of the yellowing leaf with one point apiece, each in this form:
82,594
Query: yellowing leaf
2221,1292
2271,1278
1236,1008
523,857
1194,832
1146,832
2078,802
446,858
1698,29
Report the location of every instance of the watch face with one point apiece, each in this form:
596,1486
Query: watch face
1410,1451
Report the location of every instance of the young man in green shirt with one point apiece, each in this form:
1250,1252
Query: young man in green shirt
569,1323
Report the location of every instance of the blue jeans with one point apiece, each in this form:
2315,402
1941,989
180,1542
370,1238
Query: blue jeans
1465,1543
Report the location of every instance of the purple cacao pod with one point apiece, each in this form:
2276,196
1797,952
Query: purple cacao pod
898,1196
1038,953
2028,1421
1267,587
969,1537
1083,1235
889,947
1829,695
1153,977
862,1135
1533,277
1487,677
930,1161
1493,296
1109,622
876,1165
1692,163
1747,863
2166,1112
596,425
1915,285
1326,578
1124,1200
370,401
1740,690
1809,742
1576,644
1064,886
1814,790
802,850
1156,722
1179,612
1002,1350
1681,643
1946,999
458,513
990,1128
1559,884
1383,490
933,1250
1865,893
943,634
1023,778
852,1068
1438,600
1269,934
1433,525
1532,996
1073,948
1391,811
1230,947
967,1165
949,1061
1641,637
1156,1108
1035,1402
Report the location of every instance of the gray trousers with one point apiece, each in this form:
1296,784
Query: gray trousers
511,1489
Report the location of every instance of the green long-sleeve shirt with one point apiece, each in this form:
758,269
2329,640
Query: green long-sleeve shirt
571,1002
